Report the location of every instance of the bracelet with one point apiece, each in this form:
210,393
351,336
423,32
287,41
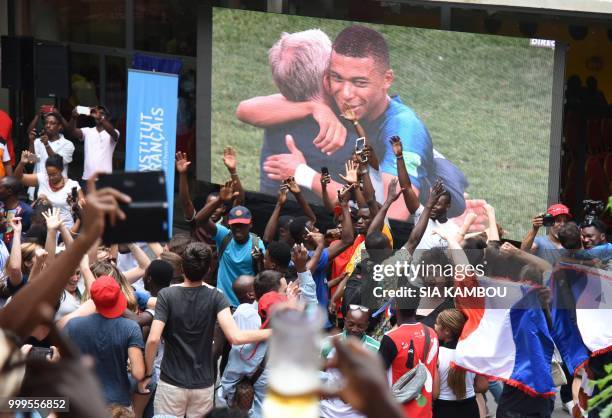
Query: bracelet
355,122
399,157
363,173
233,174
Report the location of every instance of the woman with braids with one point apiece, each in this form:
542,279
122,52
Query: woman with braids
458,388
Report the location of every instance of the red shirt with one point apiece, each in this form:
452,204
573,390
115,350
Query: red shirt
396,346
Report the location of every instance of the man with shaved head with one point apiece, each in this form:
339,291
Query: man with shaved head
245,292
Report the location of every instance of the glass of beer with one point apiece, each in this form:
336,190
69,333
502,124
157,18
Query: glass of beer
294,361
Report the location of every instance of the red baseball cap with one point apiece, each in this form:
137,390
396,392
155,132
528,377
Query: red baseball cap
559,209
266,303
107,296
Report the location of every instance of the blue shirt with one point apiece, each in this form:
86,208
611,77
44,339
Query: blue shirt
547,250
108,340
235,261
602,252
320,278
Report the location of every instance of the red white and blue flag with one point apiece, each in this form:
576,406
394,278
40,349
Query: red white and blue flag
581,311
506,337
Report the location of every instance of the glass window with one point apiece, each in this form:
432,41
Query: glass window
165,26
116,103
100,22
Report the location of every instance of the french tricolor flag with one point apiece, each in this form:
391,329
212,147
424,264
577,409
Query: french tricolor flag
581,311
506,338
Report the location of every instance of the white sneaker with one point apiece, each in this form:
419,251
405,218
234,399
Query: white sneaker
568,406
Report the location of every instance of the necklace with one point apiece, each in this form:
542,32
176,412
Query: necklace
57,188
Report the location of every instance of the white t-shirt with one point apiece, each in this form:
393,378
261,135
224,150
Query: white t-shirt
58,198
61,146
430,240
445,356
99,148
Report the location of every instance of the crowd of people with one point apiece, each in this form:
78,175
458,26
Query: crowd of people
182,328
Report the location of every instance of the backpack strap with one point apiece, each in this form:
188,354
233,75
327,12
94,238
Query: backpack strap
224,243
260,368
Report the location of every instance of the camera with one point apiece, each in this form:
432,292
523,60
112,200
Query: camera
592,209
548,220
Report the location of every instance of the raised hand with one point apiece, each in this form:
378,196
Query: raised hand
537,222
344,195
229,159
28,157
508,249
282,194
40,255
299,256
392,191
182,164
227,191
52,218
351,172
434,194
293,290
325,179
396,145
316,237
292,185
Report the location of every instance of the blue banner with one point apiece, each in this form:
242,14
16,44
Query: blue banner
151,126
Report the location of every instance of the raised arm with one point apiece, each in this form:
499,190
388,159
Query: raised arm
492,231
348,234
30,180
70,127
419,229
297,193
324,180
272,225
100,116
369,194
13,267
54,221
351,178
379,220
230,162
527,243
526,257
410,197
349,114
22,314
226,194
319,240
182,167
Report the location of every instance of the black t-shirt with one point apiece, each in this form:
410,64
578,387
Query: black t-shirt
189,314
513,400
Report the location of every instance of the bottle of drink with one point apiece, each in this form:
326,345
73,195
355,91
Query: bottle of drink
294,362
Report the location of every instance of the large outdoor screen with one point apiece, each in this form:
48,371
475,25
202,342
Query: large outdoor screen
473,110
